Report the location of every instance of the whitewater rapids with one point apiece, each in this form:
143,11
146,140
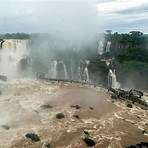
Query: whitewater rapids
111,124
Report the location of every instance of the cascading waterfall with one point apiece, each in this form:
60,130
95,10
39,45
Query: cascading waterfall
108,46
86,73
100,50
54,69
112,79
65,69
12,52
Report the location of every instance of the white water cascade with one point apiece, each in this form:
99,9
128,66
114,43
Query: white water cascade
65,70
112,79
86,73
108,46
53,71
100,50
12,52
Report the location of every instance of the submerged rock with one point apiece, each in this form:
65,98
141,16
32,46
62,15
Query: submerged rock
86,132
129,105
76,116
60,116
139,145
46,145
75,106
6,127
91,108
33,137
46,106
88,140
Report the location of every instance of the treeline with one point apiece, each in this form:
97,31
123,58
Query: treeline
15,36
122,42
130,54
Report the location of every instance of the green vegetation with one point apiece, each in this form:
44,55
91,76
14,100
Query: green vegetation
129,54
15,36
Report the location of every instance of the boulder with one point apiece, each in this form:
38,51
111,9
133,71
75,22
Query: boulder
46,145
75,106
76,116
6,127
60,116
91,108
33,137
135,93
46,106
89,142
129,105
139,145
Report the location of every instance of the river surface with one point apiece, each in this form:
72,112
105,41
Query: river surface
110,123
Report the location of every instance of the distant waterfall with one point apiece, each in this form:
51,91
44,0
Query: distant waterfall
65,69
11,54
108,46
53,71
112,79
86,73
100,50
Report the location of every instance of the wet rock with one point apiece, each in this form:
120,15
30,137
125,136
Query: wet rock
6,127
114,96
33,137
75,106
3,78
60,116
144,132
138,117
139,145
131,146
86,132
89,142
46,145
129,105
76,116
46,106
136,93
91,108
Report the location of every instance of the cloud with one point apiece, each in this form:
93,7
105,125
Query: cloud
124,15
44,15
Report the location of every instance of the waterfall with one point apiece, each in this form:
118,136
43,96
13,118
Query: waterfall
12,52
112,79
65,69
71,69
108,46
86,73
54,69
100,50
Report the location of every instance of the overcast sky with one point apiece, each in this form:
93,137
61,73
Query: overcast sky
38,15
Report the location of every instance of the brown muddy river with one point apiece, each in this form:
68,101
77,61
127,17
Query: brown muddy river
30,106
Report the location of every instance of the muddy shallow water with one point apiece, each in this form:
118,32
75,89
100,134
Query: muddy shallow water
30,106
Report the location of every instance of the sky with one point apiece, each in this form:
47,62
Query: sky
45,15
